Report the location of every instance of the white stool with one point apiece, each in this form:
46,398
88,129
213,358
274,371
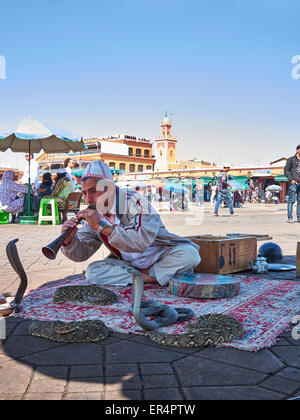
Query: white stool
43,217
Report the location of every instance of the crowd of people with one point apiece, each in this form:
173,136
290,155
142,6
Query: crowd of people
14,192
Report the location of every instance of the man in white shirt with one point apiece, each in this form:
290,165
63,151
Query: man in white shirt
69,165
34,171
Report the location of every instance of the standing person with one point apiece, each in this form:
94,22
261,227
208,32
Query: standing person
34,171
224,193
197,195
292,172
214,189
237,199
69,165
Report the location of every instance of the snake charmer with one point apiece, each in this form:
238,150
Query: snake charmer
131,229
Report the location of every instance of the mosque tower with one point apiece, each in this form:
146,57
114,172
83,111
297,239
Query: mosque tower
165,147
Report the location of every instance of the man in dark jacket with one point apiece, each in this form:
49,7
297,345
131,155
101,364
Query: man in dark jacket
292,172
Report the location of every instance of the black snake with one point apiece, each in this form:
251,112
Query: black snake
14,259
208,330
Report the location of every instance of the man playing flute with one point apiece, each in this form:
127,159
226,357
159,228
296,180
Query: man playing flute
132,230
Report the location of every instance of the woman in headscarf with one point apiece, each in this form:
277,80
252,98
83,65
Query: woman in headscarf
62,188
45,187
9,191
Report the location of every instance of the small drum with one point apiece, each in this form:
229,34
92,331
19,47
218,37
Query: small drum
204,286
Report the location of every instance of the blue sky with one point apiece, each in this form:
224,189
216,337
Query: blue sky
223,68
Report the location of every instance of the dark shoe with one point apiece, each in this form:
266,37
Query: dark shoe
216,214
13,218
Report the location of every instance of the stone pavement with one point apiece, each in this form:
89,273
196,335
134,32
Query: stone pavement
132,367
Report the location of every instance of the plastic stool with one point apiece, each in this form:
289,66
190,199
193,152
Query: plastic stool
43,217
4,217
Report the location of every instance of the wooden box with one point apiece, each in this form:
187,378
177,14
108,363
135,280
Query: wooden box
224,254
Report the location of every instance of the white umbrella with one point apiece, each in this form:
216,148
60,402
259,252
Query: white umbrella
274,188
32,136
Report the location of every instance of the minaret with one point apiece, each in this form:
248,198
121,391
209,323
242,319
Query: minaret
166,146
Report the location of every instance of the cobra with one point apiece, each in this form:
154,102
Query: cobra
14,259
141,309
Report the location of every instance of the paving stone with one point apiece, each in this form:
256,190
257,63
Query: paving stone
132,352
263,361
123,395
4,358
86,371
23,328
193,371
156,369
290,373
87,396
57,372
68,354
160,381
120,369
10,397
282,341
120,336
293,341
231,393
166,394
86,386
289,355
282,385
47,396
41,383
20,346
14,378
129,381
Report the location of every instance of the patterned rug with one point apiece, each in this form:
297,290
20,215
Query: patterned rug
265,307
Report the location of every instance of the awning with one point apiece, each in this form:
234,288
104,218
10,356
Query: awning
281,178
240,178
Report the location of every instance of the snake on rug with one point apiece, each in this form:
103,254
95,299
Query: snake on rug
92,294
141,309
208,330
